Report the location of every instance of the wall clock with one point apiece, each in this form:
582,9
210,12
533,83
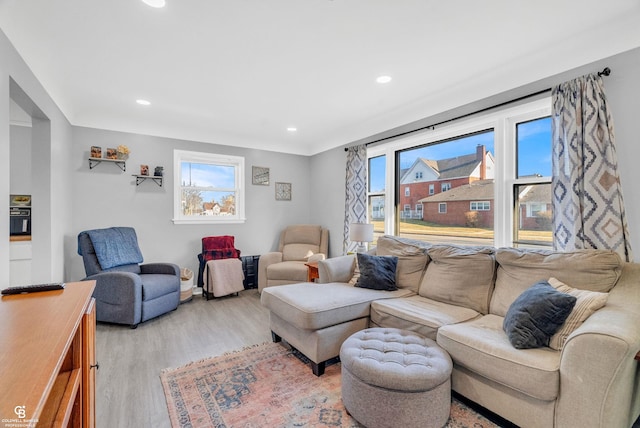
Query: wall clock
283,191
260,175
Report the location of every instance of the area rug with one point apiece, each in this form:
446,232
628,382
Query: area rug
267,385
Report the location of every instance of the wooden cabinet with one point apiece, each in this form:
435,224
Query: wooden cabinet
47,363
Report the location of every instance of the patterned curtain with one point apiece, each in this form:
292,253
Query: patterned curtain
355,203
588,209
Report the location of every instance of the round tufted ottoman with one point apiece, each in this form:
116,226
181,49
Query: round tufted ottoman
395,378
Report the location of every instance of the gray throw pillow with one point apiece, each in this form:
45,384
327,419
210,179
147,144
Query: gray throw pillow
377,272
536,315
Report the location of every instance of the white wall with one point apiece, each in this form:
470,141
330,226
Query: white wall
54,132
20,158
105,196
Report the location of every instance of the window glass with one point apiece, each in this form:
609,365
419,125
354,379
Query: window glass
376,195
210,188
533,215
533,143
455,172
532,190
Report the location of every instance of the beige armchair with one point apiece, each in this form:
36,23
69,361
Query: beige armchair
299,244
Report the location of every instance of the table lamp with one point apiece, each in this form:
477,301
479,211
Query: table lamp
361,233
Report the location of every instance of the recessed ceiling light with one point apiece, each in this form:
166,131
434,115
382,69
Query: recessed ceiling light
292,129
155,3
383,79
143,102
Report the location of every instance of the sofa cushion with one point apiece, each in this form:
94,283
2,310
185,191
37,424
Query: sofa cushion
587,303
315,306
482,346
288,271
460,275
536,315
377,272
412,259
299,252
594,270
419,314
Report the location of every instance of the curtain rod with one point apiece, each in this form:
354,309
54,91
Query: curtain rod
605,72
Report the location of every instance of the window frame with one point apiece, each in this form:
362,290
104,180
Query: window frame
432,189
502,121
180,156
445,186
440,206
482,208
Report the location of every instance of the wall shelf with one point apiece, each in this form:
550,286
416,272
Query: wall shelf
156,179
122,164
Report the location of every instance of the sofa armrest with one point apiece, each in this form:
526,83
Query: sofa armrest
265,260
336,269
160,268
598,370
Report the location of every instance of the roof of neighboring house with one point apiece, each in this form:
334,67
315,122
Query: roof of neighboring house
480,190
209,205
459,166
536,193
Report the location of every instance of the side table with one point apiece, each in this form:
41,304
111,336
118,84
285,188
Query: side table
312,272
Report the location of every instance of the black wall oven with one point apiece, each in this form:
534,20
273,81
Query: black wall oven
20,221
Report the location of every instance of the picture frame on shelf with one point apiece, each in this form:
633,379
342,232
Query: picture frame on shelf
260,175
112,153
283,191
96,151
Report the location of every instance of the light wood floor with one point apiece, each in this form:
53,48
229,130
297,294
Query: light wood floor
128,388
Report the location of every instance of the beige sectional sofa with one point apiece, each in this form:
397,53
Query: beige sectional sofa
459,297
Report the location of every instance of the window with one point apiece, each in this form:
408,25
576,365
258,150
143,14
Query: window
481,164
532,186
376,195
418,175
208,188
419,211
480,206
407,191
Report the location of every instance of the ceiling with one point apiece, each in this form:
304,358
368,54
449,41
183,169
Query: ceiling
240,72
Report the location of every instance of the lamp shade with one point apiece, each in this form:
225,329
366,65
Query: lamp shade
360,232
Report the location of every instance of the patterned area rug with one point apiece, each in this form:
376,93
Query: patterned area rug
267,386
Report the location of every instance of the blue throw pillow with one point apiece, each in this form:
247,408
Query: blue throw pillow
377,272
536,315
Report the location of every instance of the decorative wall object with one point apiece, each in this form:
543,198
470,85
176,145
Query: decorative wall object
123,152
144,169
260,175
96,151
112,153
283,191
158,171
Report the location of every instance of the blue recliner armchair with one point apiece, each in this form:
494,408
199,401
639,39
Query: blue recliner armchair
126,292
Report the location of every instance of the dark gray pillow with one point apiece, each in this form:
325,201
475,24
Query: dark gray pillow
536,315
377,272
